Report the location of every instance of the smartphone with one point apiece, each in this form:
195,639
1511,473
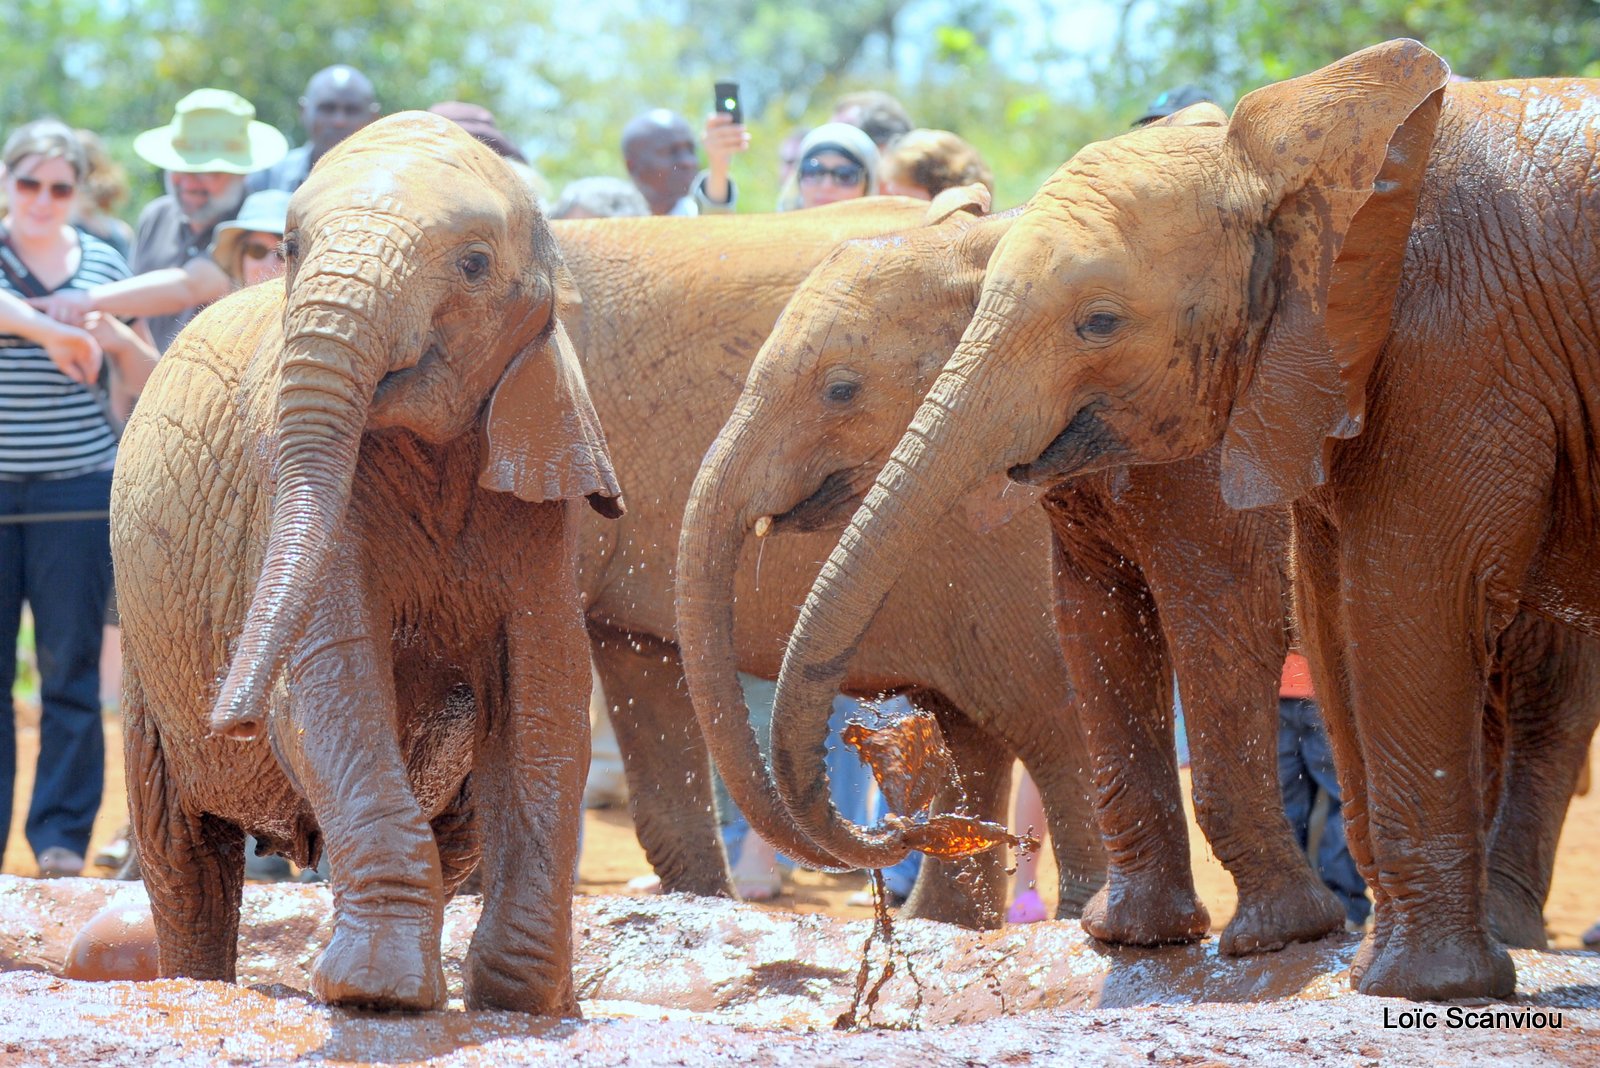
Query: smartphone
728,100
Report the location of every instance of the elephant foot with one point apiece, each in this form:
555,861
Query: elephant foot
1268,921
1158,916
1433,967
1371,949
701,881
515,986
382,962
1515,921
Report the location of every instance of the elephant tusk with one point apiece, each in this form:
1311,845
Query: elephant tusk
763,526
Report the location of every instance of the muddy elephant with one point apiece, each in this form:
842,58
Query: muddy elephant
1144,567
667,315
1369,289
344,528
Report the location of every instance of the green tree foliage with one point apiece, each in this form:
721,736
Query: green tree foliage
563,79
1237,45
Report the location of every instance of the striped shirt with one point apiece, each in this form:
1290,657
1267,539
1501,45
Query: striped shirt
51,426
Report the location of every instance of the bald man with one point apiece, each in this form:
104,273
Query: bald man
659,151
339,101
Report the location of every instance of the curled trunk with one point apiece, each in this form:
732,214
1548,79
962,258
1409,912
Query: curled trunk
964,431
715,524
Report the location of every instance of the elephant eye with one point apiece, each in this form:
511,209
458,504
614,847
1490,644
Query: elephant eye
473,264
842,392
1099,326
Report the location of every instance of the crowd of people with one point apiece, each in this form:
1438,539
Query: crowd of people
88,304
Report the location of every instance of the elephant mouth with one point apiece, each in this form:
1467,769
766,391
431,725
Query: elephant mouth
830,506
396,381
1085,444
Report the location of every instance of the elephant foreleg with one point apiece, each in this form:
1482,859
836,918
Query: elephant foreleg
528,788
1228,676
665,758
1552,694
1117,663
970,891
1319,615
1418,674
339,739
193,866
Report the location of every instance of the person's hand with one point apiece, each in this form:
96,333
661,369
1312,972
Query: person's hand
75,352
108,330
67,306
723,137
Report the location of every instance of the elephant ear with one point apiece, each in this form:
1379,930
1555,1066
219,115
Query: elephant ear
973,199
1341,152
544,438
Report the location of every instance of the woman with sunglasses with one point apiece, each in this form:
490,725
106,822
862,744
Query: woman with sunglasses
57,447
248,249
837,162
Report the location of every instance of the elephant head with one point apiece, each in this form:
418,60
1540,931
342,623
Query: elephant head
824,403
1157,294
419,295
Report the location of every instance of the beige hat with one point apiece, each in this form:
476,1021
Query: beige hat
212,131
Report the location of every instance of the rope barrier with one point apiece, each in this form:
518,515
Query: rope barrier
52,517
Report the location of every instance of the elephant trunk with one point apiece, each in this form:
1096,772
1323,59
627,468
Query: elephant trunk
333,356
966,429
715,524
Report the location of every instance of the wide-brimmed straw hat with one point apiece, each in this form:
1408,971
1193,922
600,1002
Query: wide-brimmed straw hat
212,131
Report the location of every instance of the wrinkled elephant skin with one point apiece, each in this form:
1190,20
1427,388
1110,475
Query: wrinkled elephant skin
667,316
1368,288
1143,568
345,543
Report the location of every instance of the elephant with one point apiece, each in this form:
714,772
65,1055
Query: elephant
1142,570
345,533
1366,290
666,316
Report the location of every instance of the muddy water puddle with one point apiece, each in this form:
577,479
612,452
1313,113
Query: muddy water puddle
678,980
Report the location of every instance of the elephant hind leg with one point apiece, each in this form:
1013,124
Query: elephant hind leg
1063,781
1552,698
665,759
193,866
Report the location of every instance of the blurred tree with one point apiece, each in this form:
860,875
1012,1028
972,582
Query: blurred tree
119,66
1237,45
1016,78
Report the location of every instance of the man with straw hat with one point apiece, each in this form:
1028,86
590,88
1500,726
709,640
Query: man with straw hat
212,142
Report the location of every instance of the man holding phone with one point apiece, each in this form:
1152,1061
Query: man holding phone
658,149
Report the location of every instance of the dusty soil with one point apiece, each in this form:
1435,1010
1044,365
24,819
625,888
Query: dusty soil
612,855
678,980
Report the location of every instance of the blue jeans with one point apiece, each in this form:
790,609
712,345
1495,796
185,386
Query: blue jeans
1305,765
62,569
849,783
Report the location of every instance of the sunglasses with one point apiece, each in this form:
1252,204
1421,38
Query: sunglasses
33,187
258,250
847,173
